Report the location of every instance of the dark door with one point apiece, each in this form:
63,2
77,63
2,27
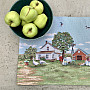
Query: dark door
79,57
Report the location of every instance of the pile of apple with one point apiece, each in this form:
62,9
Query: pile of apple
31,18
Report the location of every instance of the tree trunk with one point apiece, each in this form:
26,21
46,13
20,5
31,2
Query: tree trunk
63,54
31,57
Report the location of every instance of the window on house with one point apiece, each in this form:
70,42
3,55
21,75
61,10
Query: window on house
78,51
47,56
39,56
73,57
47,48
52,55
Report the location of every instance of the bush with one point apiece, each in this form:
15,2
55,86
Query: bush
42,58
68,55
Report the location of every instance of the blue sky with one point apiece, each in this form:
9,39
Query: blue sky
74,25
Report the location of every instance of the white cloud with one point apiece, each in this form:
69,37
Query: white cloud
23,44
40,46
50,34
20,47
49,39
86,49
27,45
20,44
88,42
80,44
33,46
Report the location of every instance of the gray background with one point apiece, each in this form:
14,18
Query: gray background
9,43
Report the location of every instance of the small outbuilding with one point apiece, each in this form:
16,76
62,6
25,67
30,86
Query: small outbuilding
80,55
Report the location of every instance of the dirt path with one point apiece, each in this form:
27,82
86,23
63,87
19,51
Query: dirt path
24,76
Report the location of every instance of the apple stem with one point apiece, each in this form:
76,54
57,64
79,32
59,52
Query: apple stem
11,22
37,4
30,30
28,11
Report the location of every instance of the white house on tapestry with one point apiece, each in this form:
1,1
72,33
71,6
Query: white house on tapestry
49,52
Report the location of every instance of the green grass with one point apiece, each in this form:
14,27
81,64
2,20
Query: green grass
79,61
55,73
20,78
19,68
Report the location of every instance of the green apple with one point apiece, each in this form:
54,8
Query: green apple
12,18
23,23
41,21
37,5
30,30
28,14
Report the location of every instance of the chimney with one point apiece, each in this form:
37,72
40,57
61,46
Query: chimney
46,42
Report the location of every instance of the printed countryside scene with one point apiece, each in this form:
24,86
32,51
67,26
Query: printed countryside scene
60,57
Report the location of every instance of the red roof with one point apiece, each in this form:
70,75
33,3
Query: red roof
81,51
57,53
45,52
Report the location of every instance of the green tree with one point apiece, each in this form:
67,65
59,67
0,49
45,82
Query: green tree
63,41
30,53
21,56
